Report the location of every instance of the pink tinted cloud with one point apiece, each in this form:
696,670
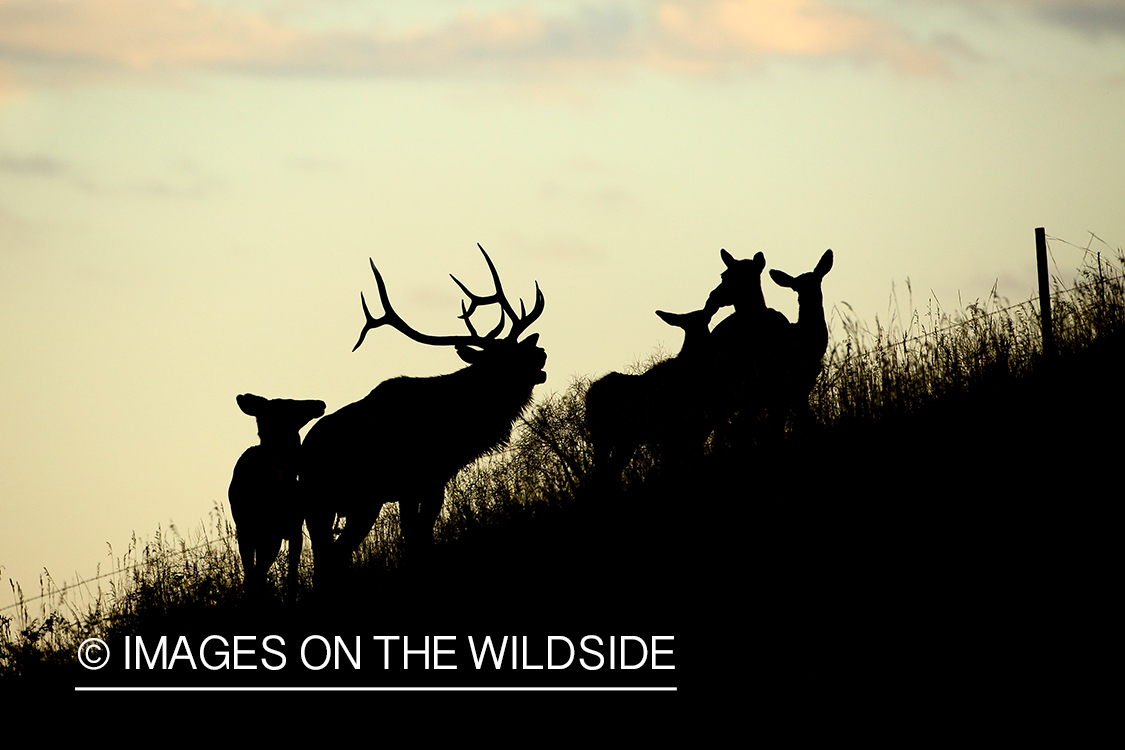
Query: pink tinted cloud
137,33
714,34
700,36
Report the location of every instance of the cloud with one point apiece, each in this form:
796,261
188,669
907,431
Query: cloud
1094,18
39,166
8,87
179,181
720,33
136,33
44,167
684,36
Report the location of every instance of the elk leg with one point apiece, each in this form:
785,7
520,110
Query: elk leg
266,553
429,510
417,518
358,526
296,541
604,464
608,463
320,537
246,552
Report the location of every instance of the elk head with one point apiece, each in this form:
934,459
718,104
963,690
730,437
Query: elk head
807,285
508,356
696,327
280,419
741,285
811,331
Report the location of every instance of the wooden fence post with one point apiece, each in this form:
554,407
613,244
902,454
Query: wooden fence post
1044,294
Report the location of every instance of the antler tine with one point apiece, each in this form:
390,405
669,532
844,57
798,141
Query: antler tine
522,323
371,322
475,300
389,315
465,317
469,323
495,331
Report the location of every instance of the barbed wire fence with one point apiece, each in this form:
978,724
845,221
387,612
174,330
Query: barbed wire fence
1032,302
977,315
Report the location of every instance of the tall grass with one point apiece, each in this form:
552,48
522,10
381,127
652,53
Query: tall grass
871,378
897,370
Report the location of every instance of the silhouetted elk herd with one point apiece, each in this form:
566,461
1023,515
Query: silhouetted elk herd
405,440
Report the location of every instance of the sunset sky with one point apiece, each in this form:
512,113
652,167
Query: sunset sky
190,191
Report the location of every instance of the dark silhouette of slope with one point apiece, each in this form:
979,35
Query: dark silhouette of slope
950,554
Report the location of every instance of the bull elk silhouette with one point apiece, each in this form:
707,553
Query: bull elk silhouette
263,492
409,436
664,406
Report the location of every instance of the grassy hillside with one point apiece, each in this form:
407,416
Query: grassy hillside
941,502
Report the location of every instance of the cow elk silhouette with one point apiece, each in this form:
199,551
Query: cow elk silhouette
409,436
747,349
664,406
263,494
753,331
764,364
808,337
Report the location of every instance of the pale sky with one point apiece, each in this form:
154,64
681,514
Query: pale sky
190,191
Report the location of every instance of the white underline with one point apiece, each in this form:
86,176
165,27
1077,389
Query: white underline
383,689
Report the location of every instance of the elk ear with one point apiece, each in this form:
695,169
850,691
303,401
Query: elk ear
781,278
825,264
727,258
666,317
531,340
251,404
468,354
759,261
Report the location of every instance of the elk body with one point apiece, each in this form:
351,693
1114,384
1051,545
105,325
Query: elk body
409,436
665,405
263,494
747,348
762,361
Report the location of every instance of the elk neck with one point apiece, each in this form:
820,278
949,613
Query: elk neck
810,316
751,302
280,441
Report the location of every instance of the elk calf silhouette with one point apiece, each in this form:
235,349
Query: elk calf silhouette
807,339
263,494
409,436
663,406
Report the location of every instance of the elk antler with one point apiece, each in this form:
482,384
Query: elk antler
469,324
391,318
520,322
